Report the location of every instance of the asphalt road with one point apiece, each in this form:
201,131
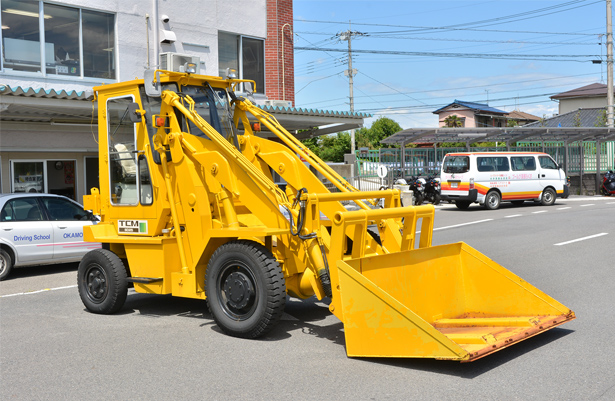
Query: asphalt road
160,347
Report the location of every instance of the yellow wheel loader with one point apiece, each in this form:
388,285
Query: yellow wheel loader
191,205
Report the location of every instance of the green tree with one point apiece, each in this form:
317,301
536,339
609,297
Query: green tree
330,148
577,119
512,123
312,144
601,119
453,121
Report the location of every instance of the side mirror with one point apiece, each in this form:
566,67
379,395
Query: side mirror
152,83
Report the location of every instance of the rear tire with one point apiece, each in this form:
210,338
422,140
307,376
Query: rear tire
462,205
492,200
436,199
101,279
6,264
548,197
245,289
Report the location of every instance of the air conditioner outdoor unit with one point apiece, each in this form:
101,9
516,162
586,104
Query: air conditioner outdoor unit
175,61
278,103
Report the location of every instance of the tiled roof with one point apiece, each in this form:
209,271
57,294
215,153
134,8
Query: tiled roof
474,106
586,118
592,90
520,115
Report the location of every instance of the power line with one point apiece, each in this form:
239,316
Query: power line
378,36
436,28
469,87
541,57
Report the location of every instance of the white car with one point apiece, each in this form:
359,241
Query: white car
39,229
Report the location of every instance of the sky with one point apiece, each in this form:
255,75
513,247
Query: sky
413,57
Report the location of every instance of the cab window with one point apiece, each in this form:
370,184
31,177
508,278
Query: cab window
456,164
523,163
24,209
121,136
499,163
547,162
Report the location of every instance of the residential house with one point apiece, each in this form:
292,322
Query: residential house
586,97
521,118
472,114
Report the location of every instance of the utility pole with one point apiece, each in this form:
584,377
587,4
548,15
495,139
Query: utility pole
350,73
609,64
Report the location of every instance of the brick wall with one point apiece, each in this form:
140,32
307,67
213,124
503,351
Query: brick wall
279,13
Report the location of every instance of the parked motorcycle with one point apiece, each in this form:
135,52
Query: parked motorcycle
417,186
432,190
608,184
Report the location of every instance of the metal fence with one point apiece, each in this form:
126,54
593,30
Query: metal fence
581,158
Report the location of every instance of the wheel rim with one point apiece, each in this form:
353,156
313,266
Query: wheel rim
96,282
3,264
237,290
492,200
548,196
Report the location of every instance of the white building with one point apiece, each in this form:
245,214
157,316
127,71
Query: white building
54,52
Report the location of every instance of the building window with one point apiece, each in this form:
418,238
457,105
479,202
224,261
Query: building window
28,176
77,43
244,54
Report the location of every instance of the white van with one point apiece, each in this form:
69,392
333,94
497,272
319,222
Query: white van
489,178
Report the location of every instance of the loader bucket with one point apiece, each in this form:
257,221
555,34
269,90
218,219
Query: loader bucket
444,302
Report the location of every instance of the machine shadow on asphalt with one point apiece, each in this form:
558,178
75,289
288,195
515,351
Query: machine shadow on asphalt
480,366
299,316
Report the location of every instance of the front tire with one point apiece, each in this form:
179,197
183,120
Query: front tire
548,197
245,289
101,279
6,264
492,200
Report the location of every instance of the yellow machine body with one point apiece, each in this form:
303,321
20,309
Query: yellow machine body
175,189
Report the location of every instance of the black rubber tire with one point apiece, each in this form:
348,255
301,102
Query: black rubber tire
6,264
462,205
436,199
493,200
418,200
517,202
245,289
548,197
101,280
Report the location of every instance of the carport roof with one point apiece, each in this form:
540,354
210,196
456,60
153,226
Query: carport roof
502,134
26,104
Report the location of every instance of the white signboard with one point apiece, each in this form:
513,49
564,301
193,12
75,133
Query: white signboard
382,171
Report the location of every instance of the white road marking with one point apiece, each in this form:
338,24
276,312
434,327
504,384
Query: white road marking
563,208
540,211
610,203
581,239
513,215
589,204
463,224
36,292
